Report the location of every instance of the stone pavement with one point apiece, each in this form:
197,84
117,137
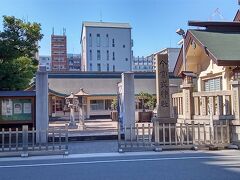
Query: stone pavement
94,127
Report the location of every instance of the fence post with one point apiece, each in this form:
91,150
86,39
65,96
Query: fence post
25,140
199,135
221,126
3,134
10,139
137,134
156,131
193,133
187,132
66,139
181,134
228,132
204,132
17,139
163,127
170,135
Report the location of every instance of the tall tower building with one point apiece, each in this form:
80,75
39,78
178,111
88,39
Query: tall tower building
59,52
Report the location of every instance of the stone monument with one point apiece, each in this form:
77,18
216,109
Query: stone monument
163,94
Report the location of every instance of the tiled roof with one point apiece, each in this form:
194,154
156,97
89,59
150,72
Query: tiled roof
223,45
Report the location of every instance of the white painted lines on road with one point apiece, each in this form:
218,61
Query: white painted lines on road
119,161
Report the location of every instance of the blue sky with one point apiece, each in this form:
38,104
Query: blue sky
154,22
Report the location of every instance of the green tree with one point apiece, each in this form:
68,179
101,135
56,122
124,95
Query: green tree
18,48
147,100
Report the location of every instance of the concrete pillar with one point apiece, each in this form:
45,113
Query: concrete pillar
42,103
128,101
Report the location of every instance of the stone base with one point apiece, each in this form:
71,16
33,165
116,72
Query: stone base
72,125
164,120
81,127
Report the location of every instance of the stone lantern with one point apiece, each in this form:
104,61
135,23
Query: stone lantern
82,107
72,102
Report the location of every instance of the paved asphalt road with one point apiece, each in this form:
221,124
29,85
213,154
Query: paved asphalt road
180,165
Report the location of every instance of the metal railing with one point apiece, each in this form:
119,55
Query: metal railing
25,141
172,136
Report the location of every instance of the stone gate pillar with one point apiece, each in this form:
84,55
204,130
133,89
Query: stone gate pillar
128,102
42,103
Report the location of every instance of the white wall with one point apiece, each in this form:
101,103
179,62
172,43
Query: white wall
121,36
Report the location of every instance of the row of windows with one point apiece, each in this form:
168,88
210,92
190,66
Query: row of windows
59,52
99,67
59,59
98,41
100,104
59,67
99,55
58,39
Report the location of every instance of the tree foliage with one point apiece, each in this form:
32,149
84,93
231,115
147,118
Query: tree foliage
18,48
148,100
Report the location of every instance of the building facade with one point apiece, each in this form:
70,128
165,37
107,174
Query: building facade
106,46
212,56
172,57
74,62
142,64
59,52
46,61
100,88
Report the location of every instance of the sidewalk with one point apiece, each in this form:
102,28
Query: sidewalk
85,147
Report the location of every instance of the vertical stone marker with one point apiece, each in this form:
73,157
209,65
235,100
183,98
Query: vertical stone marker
163,95
128,102
41,103
162,85
162,89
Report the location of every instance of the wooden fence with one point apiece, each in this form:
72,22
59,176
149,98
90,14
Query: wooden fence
24,142
172,136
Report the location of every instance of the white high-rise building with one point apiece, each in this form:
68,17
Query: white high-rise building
106,46
46,61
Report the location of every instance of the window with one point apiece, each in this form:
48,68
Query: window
98,55
126,59
124,46
107,40
113,68
213,84
113,56
98,40
90,39
90,67
107,67
96,105
98,67
113,43
90,55
236,73
107,54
